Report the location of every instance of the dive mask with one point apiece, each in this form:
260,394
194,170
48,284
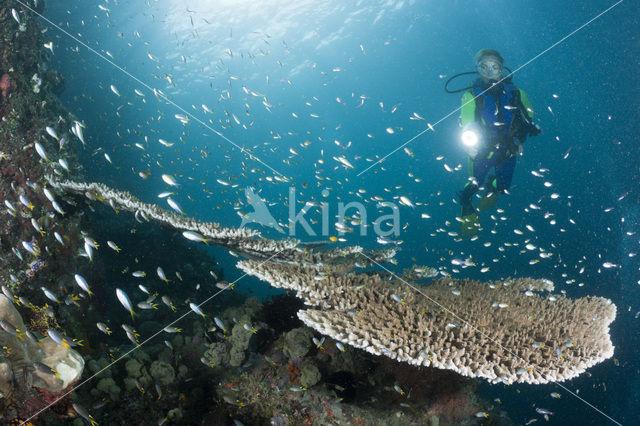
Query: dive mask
490,69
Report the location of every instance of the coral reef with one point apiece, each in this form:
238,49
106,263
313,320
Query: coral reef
299,379
309,374
267,367
162,372
499,331
297,342
31,256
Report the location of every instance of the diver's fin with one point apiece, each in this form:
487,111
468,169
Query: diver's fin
470,223
490,197
488,201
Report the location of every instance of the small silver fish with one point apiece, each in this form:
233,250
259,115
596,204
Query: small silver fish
168,302
82,283
52,132
63,164
124,300
220,324
45,369
174,205
195,308
58,237
103,327
147,305
161,274
57,207
50,295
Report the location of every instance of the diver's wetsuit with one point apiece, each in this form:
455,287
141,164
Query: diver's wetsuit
505,116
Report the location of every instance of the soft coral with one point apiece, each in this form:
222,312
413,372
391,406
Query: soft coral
5,84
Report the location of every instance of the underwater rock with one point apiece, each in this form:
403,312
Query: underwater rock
177,341
183,370
104,363
240,337
99,365
309,374
133,368
174,415
130,384
93,366
239,340
165,355
56,82
5,378
236,356
297,342
217,354
108,386
141,356
162,372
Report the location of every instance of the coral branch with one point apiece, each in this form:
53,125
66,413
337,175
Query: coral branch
244,241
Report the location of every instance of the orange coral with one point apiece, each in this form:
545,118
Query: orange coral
294,372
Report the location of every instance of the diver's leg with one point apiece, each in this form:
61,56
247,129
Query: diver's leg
504,174
490,196
466,195
478,170
469,222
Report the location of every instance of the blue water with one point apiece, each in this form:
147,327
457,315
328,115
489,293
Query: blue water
325,58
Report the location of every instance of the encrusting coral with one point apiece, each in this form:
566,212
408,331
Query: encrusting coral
18,373
499,331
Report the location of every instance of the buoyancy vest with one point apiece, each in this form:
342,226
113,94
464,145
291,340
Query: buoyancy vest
496,107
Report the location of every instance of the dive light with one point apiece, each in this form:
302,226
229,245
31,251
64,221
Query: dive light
470,138
471,135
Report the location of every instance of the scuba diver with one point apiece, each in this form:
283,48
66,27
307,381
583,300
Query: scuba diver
496,118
